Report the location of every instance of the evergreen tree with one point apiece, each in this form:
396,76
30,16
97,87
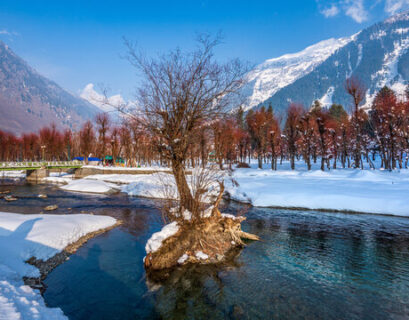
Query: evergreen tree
338,112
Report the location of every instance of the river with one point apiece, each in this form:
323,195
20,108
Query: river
309,265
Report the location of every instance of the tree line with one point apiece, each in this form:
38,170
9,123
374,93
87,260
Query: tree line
331,136
96,138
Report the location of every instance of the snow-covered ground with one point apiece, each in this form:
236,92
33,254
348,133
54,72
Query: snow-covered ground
371,191
59,178
122,178
13,174
40,236
90,186
144,168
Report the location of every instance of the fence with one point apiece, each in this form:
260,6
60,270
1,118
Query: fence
38,164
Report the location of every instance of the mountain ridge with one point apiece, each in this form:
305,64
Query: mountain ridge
377,55
29,100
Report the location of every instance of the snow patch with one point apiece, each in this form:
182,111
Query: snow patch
155,242
183,259
201,255
90,186
401,30
227,215
378,35
326,100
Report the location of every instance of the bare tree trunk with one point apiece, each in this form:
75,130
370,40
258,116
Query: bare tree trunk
185,194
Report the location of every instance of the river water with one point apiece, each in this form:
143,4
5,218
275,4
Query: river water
309,265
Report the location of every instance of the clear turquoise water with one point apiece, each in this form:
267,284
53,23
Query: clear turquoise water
310,265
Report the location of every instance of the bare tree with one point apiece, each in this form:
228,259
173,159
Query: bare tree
356,90
102,120
292,130
87,140
179,93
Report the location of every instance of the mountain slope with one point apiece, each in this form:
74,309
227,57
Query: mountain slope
275,74
378,56
29,101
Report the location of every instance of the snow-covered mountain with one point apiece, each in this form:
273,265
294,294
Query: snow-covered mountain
377,55
106,104
274,74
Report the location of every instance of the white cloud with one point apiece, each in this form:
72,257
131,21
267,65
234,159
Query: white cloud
4,31
331,11
356,10
393,6
359,10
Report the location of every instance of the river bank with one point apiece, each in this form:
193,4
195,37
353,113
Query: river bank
30,247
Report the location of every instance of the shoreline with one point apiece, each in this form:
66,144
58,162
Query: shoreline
45,267
350,212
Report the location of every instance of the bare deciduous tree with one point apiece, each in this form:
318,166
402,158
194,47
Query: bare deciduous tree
179,93
356,90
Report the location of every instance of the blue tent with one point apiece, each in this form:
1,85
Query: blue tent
89,159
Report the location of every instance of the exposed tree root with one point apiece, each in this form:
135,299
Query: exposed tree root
209,241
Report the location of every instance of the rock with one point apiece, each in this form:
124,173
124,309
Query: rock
51,208
42,196
10,198
5,192
219,257
237,312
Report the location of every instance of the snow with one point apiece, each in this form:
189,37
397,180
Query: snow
401,30
227,215
145,168
326,100
201,256
159,186
59,178
106,104
370,191
155,242
378,35
90,186
12,174
274,74
151,186
392,8
388,75
187,215
183,259
40,236
119,178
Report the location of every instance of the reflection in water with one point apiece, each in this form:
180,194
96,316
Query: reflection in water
310,265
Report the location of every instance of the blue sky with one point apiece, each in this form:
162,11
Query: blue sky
80,42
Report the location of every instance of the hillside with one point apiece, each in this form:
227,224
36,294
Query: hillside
29,101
